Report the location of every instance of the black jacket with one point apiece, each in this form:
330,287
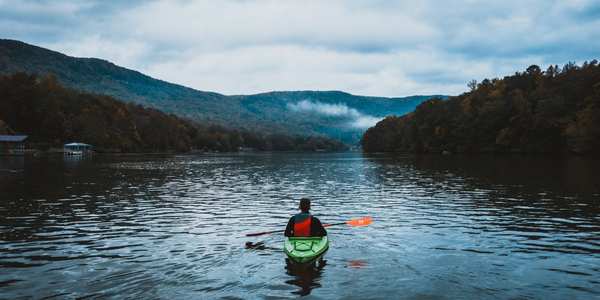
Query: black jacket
316,228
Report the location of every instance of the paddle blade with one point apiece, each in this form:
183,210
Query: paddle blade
360,222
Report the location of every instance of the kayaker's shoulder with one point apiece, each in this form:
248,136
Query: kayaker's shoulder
315,219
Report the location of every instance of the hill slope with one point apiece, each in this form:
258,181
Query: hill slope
555,111
335,114
52,115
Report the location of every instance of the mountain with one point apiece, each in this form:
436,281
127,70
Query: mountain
52,115
553,111
335,114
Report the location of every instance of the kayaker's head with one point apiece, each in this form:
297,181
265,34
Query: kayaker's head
304,205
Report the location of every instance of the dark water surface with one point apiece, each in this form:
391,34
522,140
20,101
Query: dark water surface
172,227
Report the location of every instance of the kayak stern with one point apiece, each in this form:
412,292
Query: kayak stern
305,249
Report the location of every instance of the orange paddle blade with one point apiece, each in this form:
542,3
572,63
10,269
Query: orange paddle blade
360,222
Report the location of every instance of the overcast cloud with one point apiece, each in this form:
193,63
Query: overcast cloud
355,118
383,48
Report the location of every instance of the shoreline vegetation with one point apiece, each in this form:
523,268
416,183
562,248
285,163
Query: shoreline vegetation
53,115
556,111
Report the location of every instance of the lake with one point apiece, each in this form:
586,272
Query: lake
172,227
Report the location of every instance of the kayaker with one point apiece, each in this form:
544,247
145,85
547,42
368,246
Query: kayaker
304,224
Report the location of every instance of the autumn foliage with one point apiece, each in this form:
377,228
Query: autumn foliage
552,111
52,115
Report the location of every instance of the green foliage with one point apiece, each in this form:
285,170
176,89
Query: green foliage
552,111
52,115
267,113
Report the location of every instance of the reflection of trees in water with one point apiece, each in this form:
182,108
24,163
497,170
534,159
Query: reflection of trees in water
11,171
76,190
11,163
306,276
573,175
567,176
528,188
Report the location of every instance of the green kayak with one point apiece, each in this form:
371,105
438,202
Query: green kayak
305,249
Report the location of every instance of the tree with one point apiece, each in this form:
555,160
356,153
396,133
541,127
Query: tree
555,111
534,70
472,85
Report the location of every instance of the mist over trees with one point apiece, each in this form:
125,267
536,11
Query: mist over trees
52,115
265,113
535,111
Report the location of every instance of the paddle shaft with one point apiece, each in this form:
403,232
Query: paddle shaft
328,225
264,232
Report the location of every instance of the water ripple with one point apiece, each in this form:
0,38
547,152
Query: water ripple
172,227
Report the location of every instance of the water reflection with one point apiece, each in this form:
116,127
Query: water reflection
565,175
306,276
12,164
357,263
74,161
516,187
11,169
445,227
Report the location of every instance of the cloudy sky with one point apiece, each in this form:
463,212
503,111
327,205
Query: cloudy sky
370,47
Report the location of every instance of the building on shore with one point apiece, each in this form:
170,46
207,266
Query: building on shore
77,149
12,144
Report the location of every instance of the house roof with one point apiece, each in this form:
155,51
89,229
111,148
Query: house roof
12,138
77,145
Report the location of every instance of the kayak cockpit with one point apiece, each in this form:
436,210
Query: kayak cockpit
305,249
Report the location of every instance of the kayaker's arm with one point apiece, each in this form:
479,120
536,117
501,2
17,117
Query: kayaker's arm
317,228
290,227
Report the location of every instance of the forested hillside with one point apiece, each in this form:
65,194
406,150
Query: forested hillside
52,115
551,111
343,116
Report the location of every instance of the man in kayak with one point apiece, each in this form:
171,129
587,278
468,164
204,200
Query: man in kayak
303,224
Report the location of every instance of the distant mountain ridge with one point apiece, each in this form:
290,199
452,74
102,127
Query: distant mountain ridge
332,113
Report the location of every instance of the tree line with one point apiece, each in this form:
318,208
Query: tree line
51,115
535,111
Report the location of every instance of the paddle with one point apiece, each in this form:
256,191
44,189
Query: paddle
364,221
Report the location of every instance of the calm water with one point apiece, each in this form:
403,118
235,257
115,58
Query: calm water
172,227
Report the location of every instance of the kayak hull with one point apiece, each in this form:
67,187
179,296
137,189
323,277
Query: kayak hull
305,249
